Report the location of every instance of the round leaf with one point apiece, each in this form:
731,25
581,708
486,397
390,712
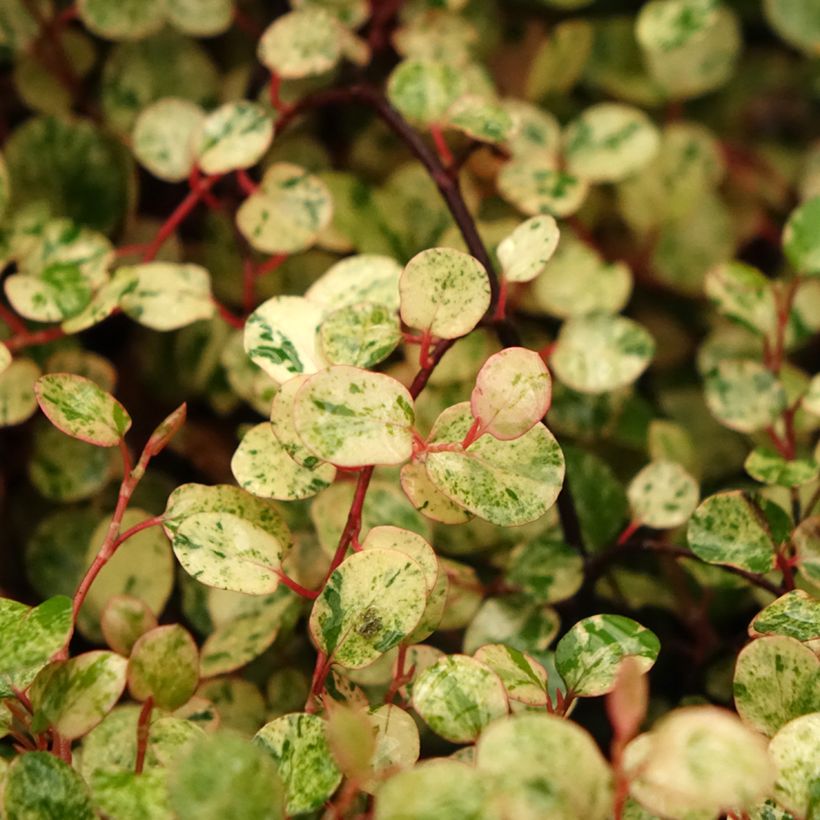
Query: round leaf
17,399
806,539
770,467
744,395
744,294
350,417
123,620
129,20
423,90
795,614
524,679
200,18
361,335
662,495
40,785
361,278
526,251
303,43
428,499
164,665
480,118
233,136
534,185
546,569
795,750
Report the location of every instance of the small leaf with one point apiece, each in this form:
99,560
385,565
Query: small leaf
795,614
546,569
124,793
744,294
232,137
396,744
795,750
164,665
800,242
727,528
351,740
364,277
590,654
770,467
428,499
535,185
281,337
288,211
284,428
444,292
360,335
423,90
303,43
512,393
525,252
524,679
40,785
123,620
73,696
262,466
297,743
480,118
744,395
811,398
59,291
458,696
166,430
515,620
507,482
596,354
131,20
200,18
17,399
79,408
662,495
351,418
5,358
806,540
369,605
776,680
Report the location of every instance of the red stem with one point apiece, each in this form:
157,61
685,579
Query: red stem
442,148
501,307
270,265
245,182
14,322
143,726
274,90
628,532
312,594
472,434
230,318
39,337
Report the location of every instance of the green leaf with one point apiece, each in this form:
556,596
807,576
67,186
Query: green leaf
58,292
670,441
40,785
163,137
744,294
795,614
524,679
535,185
728,528
298,745
662,495
506,482
225,775
776,680
596,354
795,22
525,252
369,605
811,399
423,90
512,393
795,750
17,399
79,408
546,569
287,212
609,142
262,466
428,499
200,18
515,620
73,696
480,118
800,242
444,292
281,336
541,765
770,467
806,540
123,620
364,277
360,335
127,794
458,696
232,137
351,417
129,20
29,637
744,395
590,655
164,665
396,744
303,43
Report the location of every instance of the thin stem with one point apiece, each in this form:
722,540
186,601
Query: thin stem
230,318
38,337
442,148
270,265
14,322
143,727
245,182
501,307
312,594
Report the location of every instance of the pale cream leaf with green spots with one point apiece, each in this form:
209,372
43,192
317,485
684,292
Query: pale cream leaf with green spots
533,183
590,655
480,118
744,294
397,744
371,602
423,90
128,20
525,252
428,499
547,569
364,277
232,137
444,292
796,22
769,467
811,398
795,750
663,495
303,43
81,409
123,620
458,696
360,335
200,18
506,482
806,540
795,614
17,399
800,237
744,395
524,679
351,417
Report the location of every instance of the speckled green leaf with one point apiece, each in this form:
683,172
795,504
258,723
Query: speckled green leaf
166,295
769,467
262,466
426,793
544,766
795,750
609,142
143,567
458,696
796,22
361,335
546,569
662,495
74,695
596,354
698,759
535,185
17,399
287,212
129,20
776,679
506,482
123,620
360,278
351,417
164,665
298,745
302,43
727,528
444,291
428,499
233,136
744,395
131,796
806,540
795,614
200,18
524,679
79,408
29,637
515,620
800,238
369,604
480,118
423,90
590,654
281,337
525,252
39,785
744,294
162,137
512,393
